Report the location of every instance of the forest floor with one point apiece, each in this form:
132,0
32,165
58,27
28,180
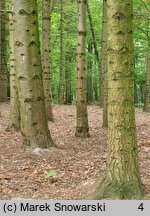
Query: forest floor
79,163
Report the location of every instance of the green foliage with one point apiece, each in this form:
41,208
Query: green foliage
141,28
50,173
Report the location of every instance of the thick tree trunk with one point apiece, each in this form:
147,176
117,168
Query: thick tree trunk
146,107
82,128
61,96
122,179
34,127
104,80
14,118
3,65
46,58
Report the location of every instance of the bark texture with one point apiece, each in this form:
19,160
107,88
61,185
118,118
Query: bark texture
46,58
82,128
146,107
3,44
122,179
61,96
14,118
34,127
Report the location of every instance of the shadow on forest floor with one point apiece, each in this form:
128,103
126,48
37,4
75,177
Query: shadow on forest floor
79,163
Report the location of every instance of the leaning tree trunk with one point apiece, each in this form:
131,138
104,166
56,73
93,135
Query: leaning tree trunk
82,128
14,117
146,107
61,97
104,80
93,36
3,65
122,180
34,127
46,59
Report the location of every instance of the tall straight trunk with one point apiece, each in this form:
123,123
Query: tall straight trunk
46,58
61,97
122,180
14,117
104,81
136,99
0,42
90,74
34,127
3,65
82,128
68,97
103,54
146,107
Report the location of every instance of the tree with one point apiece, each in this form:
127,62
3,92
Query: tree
90,89
68,60
61,97
14,117
122,180
82,128
104,81
34,127
3,44
93,36
146,107
46,58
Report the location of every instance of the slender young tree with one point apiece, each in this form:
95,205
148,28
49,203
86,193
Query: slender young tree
82,128
61,97
14,117
46,58
90,89
104,81
68,59
122,180
146,107
0,40
34,127
3,65
93,36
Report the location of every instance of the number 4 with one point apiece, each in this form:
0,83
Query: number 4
141,207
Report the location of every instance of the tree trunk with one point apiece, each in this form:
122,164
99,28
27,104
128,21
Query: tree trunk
136,100
146,107
90,75
82,128
46,58
68,98
3,65
34,127
104,80
122,180
14,118
61,97
0,45
93,37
